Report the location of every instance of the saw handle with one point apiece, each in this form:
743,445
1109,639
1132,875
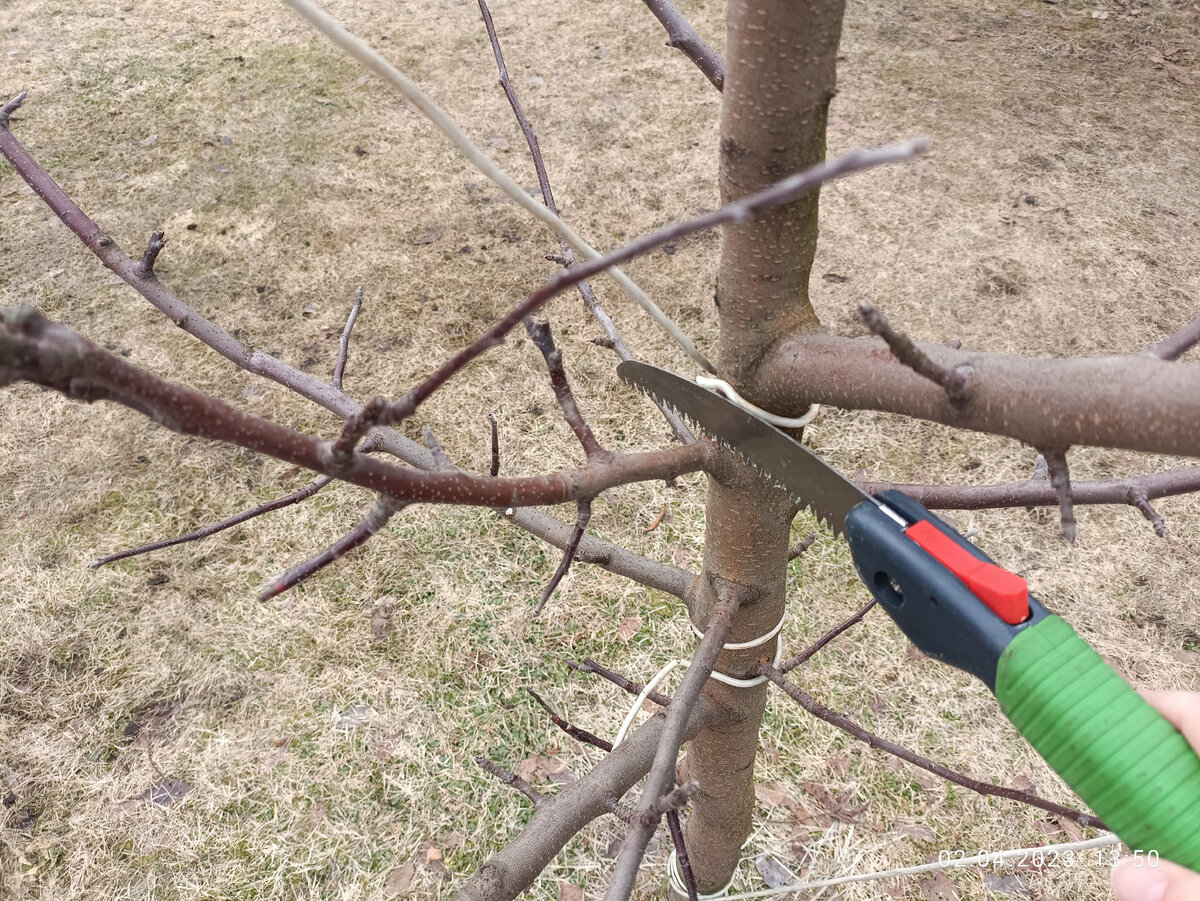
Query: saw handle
1116,751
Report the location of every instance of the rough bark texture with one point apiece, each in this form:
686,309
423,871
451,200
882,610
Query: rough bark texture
779,81
746,544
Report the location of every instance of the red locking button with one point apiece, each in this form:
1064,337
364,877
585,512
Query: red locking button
1004,592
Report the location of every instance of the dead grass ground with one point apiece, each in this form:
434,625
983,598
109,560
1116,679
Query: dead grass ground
1057,214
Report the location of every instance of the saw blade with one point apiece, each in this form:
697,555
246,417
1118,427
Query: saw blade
791,465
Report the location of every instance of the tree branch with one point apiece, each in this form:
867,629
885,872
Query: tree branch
514,868
683,37
339,368
956,382
848,725
662,773
584,514
512,780
1175,346
539,333
1060,480
574,731
1133,402
591,666
829,636
278,504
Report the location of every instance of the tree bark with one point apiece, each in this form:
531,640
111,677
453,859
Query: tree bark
780,77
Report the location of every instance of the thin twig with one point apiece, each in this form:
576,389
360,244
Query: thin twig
278,504
683,37
801,546
513,781
574,731
495,467
681,855
1142,502
957,382
848,725
369,525
582,515
566,257
1176,345
662,773
829,636
344,345
591,666
1060,479
539,333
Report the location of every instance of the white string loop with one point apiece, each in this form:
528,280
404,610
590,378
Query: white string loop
783,422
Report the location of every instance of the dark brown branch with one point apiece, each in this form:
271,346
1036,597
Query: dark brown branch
512,780
366,528
829,636
495,468
591,666
1060,480
662,773
1175,346
957,382
848,725
521,861
539,333
339,369
681,855
11,107
801,546
683,37
574,731
582,516
278,504
153,247
1131,402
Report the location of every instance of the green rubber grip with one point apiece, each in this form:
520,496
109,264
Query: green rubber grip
1116,751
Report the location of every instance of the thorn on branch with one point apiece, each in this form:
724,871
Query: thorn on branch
801,546
957,383
11,107
153,247
582,516
375,520
339,368
1139,500
513,781
294,498
1060,478
495,469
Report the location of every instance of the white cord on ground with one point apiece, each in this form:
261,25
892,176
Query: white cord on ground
985,859
337,33
783,422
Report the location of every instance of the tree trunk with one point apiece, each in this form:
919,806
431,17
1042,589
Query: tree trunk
780,61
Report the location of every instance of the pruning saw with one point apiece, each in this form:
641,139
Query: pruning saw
955,604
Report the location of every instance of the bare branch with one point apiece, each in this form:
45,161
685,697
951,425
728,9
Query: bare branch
800,547
513,781
11,107
681,855
829,636
848,725
514,868
591,666
583,514
539,333
957,381
662,773
1142,502
376,518
294,498
574,731
495,467
339,369
683,37
153,247
1060,479
441,463
1175,346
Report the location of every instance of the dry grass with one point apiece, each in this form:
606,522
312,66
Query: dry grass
283,180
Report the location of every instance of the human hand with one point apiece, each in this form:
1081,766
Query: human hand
1166,881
